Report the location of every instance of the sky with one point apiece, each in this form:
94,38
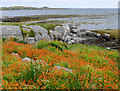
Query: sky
62,3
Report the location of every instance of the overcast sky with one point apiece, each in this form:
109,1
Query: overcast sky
63,3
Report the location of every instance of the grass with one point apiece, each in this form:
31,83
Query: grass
86,23
92,67
113,32
46,26
55,21
13,23
55,44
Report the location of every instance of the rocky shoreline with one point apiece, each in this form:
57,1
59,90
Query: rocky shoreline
68,33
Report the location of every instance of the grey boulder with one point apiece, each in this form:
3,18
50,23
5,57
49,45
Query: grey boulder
79,39
55,35
81,34
75,30
106,36
59,29
10,30
89,33
67,38
40,30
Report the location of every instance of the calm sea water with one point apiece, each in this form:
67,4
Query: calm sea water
60,11
110,22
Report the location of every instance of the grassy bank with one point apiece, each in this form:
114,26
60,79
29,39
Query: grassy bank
45,17
92,67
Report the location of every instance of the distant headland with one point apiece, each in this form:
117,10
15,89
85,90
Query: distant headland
26,8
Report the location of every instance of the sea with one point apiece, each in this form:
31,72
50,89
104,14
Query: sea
91,23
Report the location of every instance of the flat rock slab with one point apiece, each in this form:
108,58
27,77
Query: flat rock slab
10,30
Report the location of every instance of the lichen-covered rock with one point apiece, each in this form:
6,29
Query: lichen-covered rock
40,30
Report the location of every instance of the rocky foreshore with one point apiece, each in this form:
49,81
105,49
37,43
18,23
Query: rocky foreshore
67,33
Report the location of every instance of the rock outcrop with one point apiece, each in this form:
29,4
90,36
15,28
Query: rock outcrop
41,33
68,33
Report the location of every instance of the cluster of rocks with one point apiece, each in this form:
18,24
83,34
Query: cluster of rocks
72,34
26,59
17,18
68,33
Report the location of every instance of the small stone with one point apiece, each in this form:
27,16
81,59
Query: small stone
16,55
89,33
98,35
106,36
75,30
62,68
42,62
26,59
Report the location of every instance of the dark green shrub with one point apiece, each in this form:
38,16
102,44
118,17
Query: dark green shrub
21,41
31,33
58,44
24,32
3,39
52,45
15,39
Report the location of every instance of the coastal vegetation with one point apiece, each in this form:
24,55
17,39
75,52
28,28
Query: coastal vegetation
26,8
60,66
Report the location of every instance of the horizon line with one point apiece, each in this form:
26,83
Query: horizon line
60,7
